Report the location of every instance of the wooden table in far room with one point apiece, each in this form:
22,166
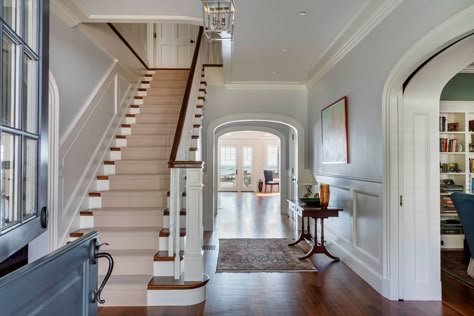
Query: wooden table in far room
313,212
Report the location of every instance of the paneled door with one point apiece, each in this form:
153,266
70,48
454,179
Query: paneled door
62,283
236,168
174,45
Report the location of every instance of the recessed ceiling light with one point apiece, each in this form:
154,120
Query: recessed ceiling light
302,12
284,50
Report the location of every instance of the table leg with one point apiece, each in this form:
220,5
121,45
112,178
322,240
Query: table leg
301,237
323,247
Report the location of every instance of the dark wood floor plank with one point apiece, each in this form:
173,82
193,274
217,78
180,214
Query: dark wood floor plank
334,290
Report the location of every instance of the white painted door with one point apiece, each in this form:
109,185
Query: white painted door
236,168
174,45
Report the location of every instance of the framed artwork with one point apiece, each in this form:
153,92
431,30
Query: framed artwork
335,145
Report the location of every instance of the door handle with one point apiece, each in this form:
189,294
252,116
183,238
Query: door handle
94,256
44,217
236,171
191,41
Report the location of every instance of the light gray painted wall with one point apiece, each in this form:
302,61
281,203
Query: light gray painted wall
361,76
357,235
136,36
77,65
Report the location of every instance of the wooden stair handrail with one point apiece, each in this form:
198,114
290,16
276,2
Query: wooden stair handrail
184,104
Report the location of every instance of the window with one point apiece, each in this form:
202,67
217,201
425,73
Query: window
22,141
273,160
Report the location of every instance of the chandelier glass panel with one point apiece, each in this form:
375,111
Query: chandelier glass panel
218,18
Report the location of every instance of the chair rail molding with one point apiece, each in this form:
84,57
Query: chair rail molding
442,36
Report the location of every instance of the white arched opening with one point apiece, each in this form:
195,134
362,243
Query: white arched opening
284,181
411,159
217,128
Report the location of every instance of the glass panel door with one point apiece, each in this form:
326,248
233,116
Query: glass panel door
236,168
247,164
228,168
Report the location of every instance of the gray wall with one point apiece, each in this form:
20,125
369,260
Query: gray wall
77,66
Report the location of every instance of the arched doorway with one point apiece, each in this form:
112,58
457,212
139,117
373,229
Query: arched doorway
293,139
411,158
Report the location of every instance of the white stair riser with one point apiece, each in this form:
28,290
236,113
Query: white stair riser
165,268
124,265
158,182
140,167
132,200
176,297
144,85
128,220
120,142
129,120
87,221
163,243
123,296
101,185
108,170
141,93
114,155
137,101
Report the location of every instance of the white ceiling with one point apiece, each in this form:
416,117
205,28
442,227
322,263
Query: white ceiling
263,28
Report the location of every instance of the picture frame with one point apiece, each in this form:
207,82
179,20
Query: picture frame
334,130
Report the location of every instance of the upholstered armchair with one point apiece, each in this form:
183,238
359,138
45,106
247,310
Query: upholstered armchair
464,204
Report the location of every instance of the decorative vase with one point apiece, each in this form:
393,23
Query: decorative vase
260,185
324,194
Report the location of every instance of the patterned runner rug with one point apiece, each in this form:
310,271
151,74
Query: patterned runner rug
261,255
451,263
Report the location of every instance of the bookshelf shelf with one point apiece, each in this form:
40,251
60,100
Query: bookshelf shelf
456,137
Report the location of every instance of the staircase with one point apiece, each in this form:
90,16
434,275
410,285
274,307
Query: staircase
129,203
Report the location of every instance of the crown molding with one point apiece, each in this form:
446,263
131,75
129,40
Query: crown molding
265,85
368,18
144,18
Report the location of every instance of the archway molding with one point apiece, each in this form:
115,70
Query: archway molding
394,257
218,127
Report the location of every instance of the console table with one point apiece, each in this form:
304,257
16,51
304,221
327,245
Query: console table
317,213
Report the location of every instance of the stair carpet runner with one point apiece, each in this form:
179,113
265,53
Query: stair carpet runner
129,205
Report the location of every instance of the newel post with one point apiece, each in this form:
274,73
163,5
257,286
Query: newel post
193,259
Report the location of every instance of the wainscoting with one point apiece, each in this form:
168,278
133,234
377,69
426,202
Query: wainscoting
82,148
356,235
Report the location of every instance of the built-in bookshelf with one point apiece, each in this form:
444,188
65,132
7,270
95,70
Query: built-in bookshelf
456,146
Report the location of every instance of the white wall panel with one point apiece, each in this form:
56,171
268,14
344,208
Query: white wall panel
368,237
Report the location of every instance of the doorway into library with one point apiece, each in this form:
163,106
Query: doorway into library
423,151
456,142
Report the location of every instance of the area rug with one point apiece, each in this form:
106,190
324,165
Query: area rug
451,264
261,255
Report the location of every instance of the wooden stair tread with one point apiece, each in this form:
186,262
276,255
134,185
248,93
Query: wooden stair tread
165,232
170,283
122,210
163,256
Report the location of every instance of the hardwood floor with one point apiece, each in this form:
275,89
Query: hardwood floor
334,290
